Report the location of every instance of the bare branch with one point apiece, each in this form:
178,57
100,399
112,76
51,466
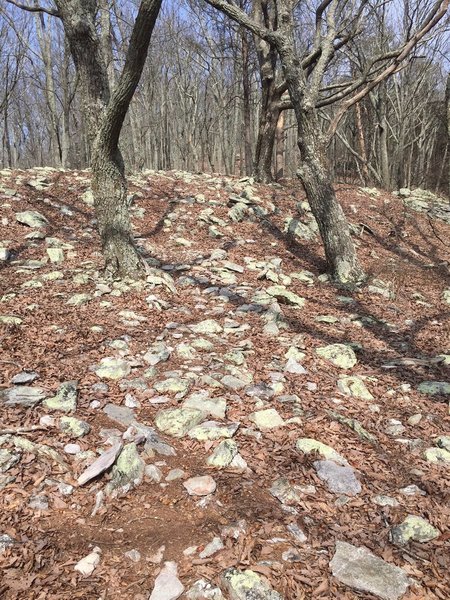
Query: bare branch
35,9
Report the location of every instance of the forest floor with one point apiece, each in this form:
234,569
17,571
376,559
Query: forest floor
226,329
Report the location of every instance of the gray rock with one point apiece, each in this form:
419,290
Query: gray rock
24,377
247,585
174,385
22,396
157,353
223,455
175,474
339,479
8,459
65,399
203,590
120,414
266,419
308,445
212,548
153,472
32,218
6,541
113,368
434,388
200,486
289,494
216,407
74,427
209,326
354,386
213,430
361,570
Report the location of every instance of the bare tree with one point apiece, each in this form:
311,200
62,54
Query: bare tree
336,22
105,113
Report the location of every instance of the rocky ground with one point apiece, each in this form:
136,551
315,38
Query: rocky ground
235,427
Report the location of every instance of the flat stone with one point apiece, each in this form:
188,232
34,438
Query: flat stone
381,500
200,486
120,414
434,388
79,299
361,570
174,385
87,565
339,479
208,326
65,399
285,296
6,541
289,494
443,441
354,386
56,255
12,320
8,459
175,474
167,585
413,528
213,430
153,472
266,419
247,585
216,407
24,377
74,427
223,455
157,353
31,218
178,421
339,355
22,396
233,383
308,445
113,368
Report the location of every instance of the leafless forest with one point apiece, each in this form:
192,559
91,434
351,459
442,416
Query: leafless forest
210,91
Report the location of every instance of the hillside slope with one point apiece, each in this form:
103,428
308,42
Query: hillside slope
236,324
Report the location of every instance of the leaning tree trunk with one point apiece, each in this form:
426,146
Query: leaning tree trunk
262,168
314,174
447,103
105,115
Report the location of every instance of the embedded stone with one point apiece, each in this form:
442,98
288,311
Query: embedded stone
339,479
266,419
213,430
22,396
207,326
31,218
434,388
178,421
354,386
113,368
247,585
200,486
224,454
65,399
216,407
74,427
308,445
413,528
339,355
128,471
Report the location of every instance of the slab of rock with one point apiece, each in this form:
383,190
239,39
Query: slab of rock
285,296
339,479
289,494
354,386
413,528
173,385
5,542
65,399
178,421
339,355
157,353
167,585
361,570
22,396
212,548
266,419
213,430
208,326
216,407
31,218
8,459
10,320
437,456
102,463
87,565
434,388
113,368
24,377
307,445
128,471
200,486
120,414
247,585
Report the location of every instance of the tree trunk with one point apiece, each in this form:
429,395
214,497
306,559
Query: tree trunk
333,226
279,155
262,169
105,116
246,103
447,104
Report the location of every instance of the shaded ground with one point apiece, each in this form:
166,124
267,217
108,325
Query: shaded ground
56,340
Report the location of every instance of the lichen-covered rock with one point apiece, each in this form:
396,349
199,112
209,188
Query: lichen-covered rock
285,296
65,399
128,471
113,368
31,218
74,427
158,352
247,585
434,388
213,430
79,299
178,421
437,456
339,355
223,455
413,528
208,326
266,419
10,320
307,445
354,386
361,570
173,385
216,407
203,590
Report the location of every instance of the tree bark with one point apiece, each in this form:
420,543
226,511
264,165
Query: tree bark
105,116
447,105
279,155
